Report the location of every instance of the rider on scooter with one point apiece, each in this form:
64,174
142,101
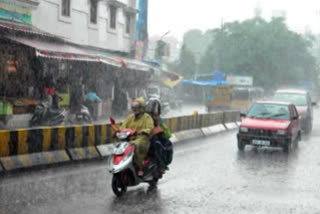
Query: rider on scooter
142,123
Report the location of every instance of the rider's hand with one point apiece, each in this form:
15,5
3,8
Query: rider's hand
139,132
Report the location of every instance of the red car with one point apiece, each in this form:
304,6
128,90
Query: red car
270,123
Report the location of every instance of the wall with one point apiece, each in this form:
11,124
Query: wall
78,29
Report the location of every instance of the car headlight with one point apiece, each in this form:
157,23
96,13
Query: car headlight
243,129
281,132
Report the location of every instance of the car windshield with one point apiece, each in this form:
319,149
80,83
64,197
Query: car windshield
296,99
269,111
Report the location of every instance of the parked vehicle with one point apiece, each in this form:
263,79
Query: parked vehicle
46,115
233,97
302,100
270,123
219,97
121,164
83,115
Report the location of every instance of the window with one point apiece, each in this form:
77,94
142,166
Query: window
128,23
113,17
66,7
93,11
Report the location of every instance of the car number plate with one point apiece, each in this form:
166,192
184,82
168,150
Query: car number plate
261,142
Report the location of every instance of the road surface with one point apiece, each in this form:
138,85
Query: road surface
207,176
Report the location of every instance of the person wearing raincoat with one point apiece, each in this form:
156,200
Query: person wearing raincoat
142,123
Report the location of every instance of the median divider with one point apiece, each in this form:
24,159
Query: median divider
34,159
211,130
24,148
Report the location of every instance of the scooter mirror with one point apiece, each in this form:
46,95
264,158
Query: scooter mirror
112,120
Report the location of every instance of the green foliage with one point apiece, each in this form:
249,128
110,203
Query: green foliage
197,42
268,51
186,66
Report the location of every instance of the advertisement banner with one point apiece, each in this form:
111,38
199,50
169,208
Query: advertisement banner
14,12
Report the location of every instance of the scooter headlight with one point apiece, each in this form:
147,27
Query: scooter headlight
119,148
123,135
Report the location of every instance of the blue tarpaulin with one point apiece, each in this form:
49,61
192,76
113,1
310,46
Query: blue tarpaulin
205,83
217,78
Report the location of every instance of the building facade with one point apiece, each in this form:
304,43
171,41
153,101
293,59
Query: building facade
74,43
105,24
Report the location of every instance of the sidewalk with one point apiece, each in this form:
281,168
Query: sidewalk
22,121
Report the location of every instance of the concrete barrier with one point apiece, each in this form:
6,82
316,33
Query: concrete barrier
105,150
211,130
231,126
188,135
46,145
83,153
34,159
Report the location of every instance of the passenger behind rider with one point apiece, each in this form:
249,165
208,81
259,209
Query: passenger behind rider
161,147
142,123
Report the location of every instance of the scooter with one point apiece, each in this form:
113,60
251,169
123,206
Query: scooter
45,115
83,115
121,164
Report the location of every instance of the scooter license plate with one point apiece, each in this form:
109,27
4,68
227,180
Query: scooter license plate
261,142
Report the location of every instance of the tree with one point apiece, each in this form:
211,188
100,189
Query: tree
197,42
186,65
268,51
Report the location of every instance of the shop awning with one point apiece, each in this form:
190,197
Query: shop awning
18,27
59,50
133,64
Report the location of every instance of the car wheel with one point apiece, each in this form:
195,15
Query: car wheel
309,127
241,145
288,147
296,142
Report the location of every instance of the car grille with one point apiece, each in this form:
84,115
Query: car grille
261,132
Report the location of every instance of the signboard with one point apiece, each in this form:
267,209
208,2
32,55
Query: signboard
139,50
14,12
240,80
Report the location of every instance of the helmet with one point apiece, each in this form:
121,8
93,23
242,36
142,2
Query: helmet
137,106
153,107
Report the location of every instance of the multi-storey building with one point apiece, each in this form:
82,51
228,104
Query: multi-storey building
105,24
73,41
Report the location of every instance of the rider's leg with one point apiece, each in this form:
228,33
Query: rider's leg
142,148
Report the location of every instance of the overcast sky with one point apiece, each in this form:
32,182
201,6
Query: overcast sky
179,16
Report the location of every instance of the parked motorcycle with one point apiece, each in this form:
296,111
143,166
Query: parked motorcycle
121,164
45,115
83,115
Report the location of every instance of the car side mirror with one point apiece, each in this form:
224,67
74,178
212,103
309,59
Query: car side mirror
295,118
112,121
314,103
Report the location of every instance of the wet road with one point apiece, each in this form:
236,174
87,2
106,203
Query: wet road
207,176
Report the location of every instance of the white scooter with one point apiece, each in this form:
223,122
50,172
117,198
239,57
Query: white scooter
121,164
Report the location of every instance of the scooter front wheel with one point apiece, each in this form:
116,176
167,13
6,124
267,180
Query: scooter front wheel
118,187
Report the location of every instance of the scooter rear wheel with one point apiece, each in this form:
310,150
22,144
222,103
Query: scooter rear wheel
118,187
